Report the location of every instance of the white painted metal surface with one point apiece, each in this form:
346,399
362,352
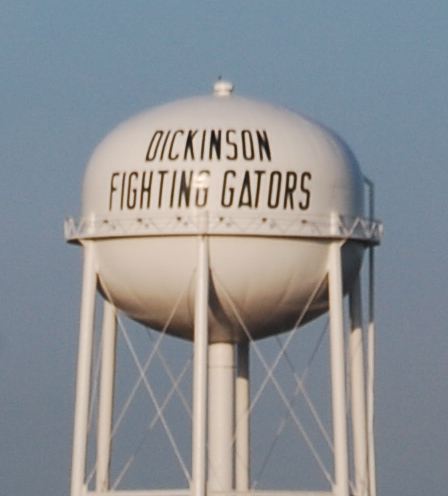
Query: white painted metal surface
242,425
106,396
371,355
358,403
337,356
250,207
371,378
86,327
270,176
200,372
180,492
221,377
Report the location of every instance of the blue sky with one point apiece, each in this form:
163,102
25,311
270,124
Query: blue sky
375,72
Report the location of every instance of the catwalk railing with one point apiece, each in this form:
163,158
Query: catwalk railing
368,231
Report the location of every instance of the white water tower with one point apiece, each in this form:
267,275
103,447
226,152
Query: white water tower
224,220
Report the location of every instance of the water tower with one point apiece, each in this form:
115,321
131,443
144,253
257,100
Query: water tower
258,213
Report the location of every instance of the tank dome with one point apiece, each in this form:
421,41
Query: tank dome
256,157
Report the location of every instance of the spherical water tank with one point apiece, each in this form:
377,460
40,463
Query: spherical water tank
268,187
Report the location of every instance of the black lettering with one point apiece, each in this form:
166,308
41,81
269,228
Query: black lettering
231,190
173,185
215,144
289,190
305,205
158,134
170,153
232,144
263,144
162,175
131,199
259,173
112,188
164,144
122,190
189,144
185,189
248,152
245,190
203,144
274,189
204,192
146,189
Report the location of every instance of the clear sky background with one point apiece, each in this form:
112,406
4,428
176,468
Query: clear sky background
375,72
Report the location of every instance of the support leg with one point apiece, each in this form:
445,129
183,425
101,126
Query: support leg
106,400
200,372
220,412
341,483
242,428
83,378
371,377
357,376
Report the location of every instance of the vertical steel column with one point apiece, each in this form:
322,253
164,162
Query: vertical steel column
371,376
242,427
371,353
83,378
341,481
199,435
221,376
358,403
106,396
